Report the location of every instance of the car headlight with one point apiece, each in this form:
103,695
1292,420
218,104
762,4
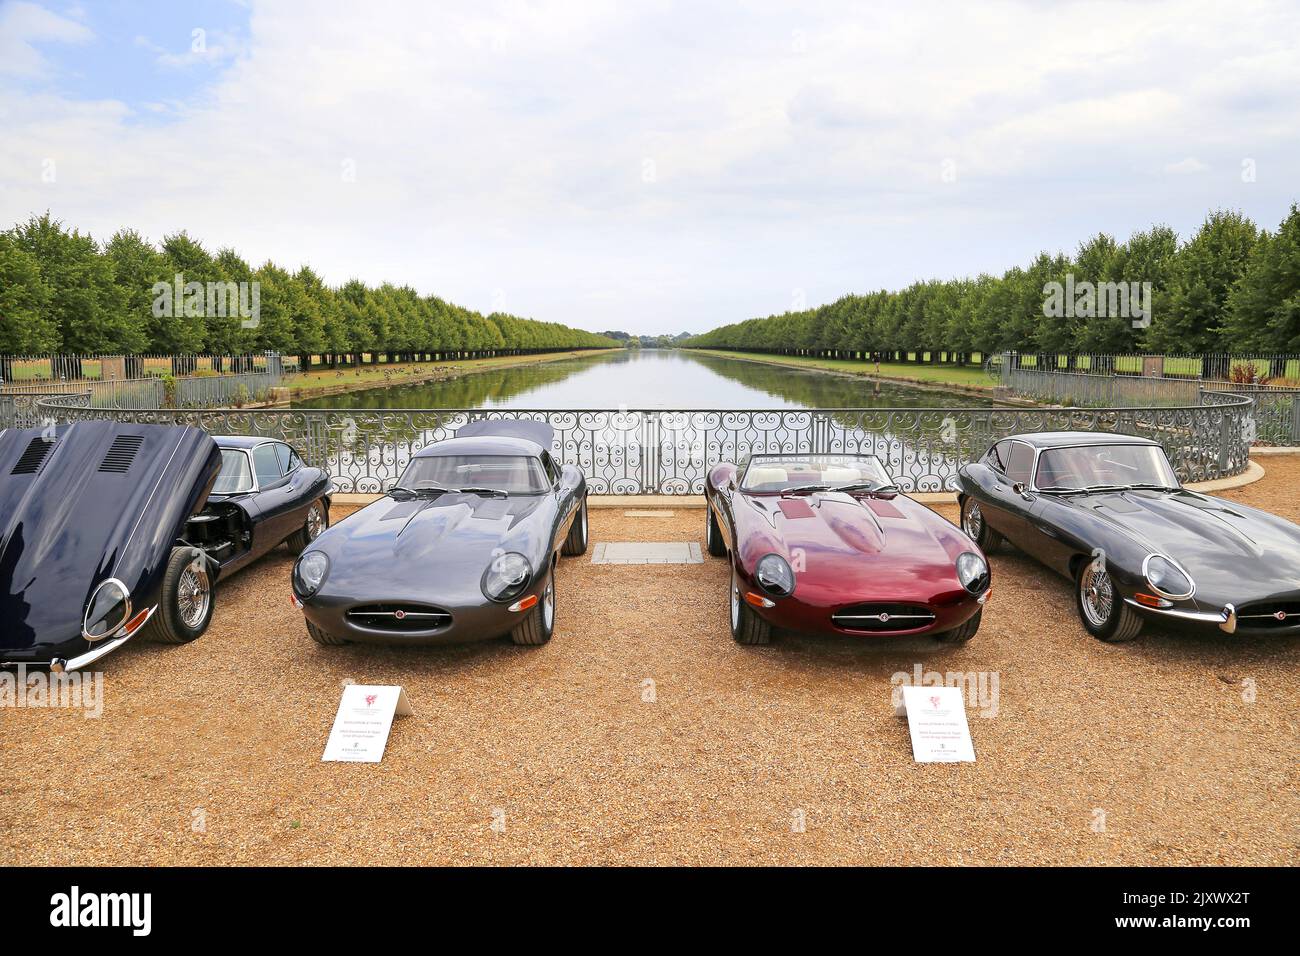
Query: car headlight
774,574
972,572
506,576
1166,578
109,609
310,572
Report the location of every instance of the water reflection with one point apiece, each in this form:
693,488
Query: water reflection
647,379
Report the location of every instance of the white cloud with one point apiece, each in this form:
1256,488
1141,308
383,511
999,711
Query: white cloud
1186,166
208,47
24,24
502,145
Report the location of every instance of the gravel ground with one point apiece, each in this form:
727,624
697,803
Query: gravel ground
210,753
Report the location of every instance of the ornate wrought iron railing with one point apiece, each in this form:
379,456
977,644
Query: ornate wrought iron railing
643,451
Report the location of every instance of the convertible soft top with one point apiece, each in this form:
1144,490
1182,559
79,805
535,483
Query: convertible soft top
524,428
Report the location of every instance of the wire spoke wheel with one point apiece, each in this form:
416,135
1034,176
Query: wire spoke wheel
735,603
1096,596
973,521
315,522
194,594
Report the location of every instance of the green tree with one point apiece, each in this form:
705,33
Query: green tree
1195,310
1264,307
27,326
84,302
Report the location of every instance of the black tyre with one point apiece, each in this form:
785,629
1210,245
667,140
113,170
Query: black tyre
962,634
539,625
188,597
322,637
976,528
317,520
746,626
1101,607
576,542
713,534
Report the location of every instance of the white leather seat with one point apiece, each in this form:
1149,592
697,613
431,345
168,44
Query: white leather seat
838,475
766,475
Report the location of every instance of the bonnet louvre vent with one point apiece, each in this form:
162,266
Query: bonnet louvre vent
30,463
119,457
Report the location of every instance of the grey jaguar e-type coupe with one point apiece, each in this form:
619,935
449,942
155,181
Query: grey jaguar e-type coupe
1108,512
464,547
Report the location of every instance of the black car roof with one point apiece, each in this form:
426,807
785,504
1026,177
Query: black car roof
240,441
1069,439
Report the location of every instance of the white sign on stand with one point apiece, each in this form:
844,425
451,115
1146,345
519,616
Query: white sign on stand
936,718
364,718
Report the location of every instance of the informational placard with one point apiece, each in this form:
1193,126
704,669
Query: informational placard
936,718
364,718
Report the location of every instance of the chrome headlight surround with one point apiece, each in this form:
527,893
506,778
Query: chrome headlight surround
1167,571
100,619
774,575
310,572
507,576
972,572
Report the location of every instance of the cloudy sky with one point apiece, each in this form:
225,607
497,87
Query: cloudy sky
651,166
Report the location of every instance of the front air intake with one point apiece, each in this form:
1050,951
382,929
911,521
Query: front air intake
883,618
399,617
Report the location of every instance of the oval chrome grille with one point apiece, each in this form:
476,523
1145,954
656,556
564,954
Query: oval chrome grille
1269,614
882,617
399,617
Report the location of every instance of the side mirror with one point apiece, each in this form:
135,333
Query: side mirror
1019,488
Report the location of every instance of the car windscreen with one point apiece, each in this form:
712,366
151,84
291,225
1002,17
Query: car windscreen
513,474
1103,466
770,473
235,476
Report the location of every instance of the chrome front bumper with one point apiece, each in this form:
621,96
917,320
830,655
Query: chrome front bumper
66,665
1225,620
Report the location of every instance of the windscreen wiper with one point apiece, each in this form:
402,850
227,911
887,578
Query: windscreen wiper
805,489
870,486
409,494
1083,489
485,492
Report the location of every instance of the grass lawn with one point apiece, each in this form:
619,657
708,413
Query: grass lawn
939,374
369,374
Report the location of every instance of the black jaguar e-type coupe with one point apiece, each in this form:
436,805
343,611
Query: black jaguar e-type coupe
1108,512
264,496
108,531
464,547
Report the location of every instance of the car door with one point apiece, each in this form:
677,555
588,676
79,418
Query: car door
300,480
1052,529
1011,462
275,498
724,501
565,500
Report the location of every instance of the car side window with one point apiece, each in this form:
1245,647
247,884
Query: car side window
997,456
1020,462
552,470
289,460
266,462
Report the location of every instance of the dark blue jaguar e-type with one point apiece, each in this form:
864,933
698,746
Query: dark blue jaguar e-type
109,530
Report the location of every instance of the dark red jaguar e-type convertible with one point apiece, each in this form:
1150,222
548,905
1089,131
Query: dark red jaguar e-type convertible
827,543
